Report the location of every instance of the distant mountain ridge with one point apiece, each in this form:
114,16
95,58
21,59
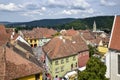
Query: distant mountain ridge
4,22
44,22
102,22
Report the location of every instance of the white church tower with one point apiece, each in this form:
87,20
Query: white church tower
94,27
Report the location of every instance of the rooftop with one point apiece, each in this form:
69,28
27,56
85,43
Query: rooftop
14,66
63,47
115,35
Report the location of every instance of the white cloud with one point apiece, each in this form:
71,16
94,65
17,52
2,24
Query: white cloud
107,3
43,8
32,13
9,7
70,12
68,4
73,11
90,11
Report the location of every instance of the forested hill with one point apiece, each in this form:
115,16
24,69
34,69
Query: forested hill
102,22
43,22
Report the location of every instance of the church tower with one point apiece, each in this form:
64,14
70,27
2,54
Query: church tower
94,27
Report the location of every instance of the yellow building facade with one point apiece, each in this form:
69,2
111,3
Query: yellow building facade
33,42
63,65
32,77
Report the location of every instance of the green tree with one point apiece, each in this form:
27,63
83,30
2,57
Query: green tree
92,50
95,70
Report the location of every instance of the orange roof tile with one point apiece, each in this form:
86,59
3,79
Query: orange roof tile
2,29
39,33
70,32
62,47
4,37
115,37
15,66
87,34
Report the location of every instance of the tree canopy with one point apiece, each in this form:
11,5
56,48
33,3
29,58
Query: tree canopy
95,70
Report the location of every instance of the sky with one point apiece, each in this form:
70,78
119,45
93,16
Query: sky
29,10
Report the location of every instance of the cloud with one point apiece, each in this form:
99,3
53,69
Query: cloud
73,12
107,3
89,11
70,12
9,7
67,4
27,9
32,13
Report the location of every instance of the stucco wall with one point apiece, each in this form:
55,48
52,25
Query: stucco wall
114,65
83,58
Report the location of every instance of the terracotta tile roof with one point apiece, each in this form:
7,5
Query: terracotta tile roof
15,66
61,47
25,51
115,35
4,37
39,33
70,32
96,40
2,29
87,34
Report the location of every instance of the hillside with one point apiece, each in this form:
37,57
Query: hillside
44,22
102,22
4,22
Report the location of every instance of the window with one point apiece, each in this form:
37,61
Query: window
35,40
62,61
67,59
62,68
71,66
31,45
35,45
76,65
37,76
57,70
118,64
31,40
74,58
56,62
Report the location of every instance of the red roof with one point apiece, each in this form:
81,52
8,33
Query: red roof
13,65
87,34
70,32
4,37
115,35
61,46
39,33
2,29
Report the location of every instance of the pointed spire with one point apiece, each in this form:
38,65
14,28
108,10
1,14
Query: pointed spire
94,27
72,28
